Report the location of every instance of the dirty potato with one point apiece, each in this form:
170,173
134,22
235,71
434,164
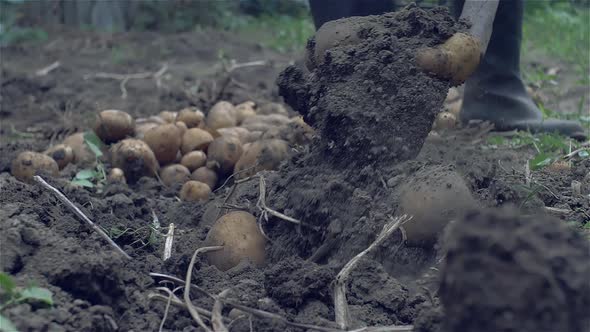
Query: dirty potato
28,163
241,239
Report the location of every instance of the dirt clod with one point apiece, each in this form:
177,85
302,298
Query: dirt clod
505,272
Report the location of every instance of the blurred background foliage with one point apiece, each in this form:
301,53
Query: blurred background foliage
561,27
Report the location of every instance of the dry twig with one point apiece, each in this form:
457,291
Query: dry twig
48,69
124,78
187,290
169,241
340,302
265,210
261,313
80,214
216,317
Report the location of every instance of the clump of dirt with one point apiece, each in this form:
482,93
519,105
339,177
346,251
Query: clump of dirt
372,108
505,272
368,100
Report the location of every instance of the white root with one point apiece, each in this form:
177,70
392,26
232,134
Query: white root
187,289
124,78
80,214
216,317
169,242
340,303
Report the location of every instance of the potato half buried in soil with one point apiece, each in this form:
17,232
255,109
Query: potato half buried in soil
27,164
224,152
261,155
222,115
62,154
241,239
194,191
116,175
433,197
165,141
331,34
135,158
113,125
174,174
195,139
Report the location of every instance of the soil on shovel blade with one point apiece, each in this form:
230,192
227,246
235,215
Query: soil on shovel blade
372,110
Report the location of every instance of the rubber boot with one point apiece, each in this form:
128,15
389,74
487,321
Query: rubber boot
329,10
495,92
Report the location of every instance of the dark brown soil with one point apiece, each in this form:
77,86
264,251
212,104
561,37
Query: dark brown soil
345,193
532,272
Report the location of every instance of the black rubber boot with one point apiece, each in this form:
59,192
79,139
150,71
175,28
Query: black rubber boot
495,92
329,10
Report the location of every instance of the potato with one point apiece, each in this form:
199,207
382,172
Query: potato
205,175
173,174
433,197
194,191
224,152
244,110
222,115
445,121
83,156
195,139
181,127
262,155
191,116
454,60
142,127
112,126
27,164
331,34
194,160
455,107
264,122
272,108
559,166
169,117
164,141
116,175
240,133
135,158
241,239
296,131
62,154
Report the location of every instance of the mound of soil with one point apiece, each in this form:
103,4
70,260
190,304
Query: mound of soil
368,99
504,272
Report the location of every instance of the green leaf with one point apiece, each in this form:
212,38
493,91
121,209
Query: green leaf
587,225
584,154
541,160
6,325
37,294
94,143
7,283
83,183
86,174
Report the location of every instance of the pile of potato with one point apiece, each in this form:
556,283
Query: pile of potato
185,147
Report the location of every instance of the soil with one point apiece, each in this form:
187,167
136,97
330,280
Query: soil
540,266
343,202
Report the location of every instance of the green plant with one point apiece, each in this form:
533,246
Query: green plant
11,294
10,31
559,28
95,177
548,147
139,237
